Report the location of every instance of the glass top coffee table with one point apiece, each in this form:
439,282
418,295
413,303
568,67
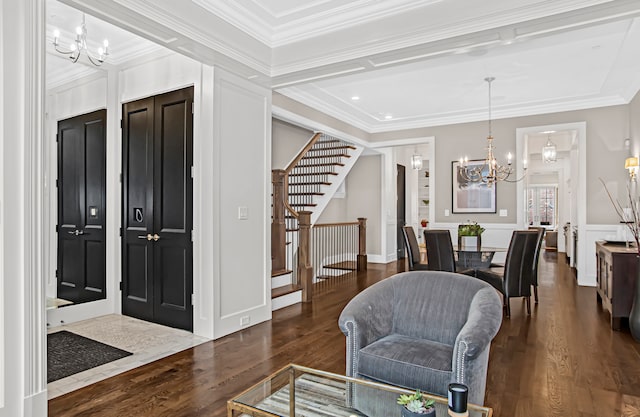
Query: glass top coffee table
299,391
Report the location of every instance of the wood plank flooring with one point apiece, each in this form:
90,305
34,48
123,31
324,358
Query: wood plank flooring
561,361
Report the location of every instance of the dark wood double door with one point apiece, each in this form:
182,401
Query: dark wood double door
81,255
157,197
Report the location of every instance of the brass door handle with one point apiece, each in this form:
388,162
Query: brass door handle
156,237
148,237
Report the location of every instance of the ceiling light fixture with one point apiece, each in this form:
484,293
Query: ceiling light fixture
631,163
80,44
491,171
416,161
549,151
355,98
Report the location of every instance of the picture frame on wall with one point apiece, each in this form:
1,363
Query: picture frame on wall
468,196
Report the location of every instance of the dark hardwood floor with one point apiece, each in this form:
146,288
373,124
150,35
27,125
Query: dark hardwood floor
563,360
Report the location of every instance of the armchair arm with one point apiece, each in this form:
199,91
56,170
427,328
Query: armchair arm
367,318
471,349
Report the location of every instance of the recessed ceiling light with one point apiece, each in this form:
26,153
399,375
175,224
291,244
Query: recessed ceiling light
355,98
548,132
388,116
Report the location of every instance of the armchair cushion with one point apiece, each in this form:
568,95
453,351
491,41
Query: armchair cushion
401,360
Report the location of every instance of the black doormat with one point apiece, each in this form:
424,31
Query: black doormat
69,353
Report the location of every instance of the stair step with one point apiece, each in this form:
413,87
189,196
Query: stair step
331,148
287,289
320,164
337,155
280,272
344,265
304,174
292,230
303,205
297,184
329,141
309,193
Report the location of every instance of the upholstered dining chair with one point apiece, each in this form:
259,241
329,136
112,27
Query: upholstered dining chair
413,250
516,277
419,330
440,255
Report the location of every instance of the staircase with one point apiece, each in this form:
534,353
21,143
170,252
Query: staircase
309,183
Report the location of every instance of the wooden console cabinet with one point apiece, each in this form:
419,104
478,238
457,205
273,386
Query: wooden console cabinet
616,272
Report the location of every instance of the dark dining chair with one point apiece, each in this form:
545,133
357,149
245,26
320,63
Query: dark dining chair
534,277
516,277
413,250
440,255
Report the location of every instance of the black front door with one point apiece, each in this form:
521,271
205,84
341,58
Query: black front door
81,184
157,209
400,210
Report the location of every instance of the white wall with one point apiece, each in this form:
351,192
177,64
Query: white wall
232,162
287,142
242,169
22,324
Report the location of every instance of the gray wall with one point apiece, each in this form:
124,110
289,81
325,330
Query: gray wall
606,130
363,199
287,141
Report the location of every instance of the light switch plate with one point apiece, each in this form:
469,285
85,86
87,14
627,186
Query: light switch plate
243,213
503,212
446,212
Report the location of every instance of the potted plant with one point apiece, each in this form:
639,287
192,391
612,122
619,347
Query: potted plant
470,234
416,404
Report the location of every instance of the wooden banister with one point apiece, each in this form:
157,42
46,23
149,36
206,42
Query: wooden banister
305,269
302,153
278,227
362,244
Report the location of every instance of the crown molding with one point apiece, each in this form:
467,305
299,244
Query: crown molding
519,110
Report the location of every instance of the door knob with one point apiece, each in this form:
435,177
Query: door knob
76,232
156,237
148,236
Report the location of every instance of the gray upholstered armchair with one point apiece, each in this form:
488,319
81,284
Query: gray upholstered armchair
420,330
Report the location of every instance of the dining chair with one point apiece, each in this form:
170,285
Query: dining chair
515,278
413,250
440,255
534,277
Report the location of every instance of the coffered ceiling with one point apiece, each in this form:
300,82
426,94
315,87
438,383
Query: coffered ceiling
411,63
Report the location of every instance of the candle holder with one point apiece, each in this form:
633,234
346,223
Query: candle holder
458,398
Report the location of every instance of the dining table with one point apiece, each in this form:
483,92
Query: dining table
473,257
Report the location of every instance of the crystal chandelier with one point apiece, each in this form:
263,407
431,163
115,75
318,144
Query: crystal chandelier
80,44
416,161
491,171
549,152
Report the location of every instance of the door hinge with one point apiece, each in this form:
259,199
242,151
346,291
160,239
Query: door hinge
56,183
121,177
192,107
192,171
121,123
191,236
57,274
120,232
193,299
57,136
120,286
57,228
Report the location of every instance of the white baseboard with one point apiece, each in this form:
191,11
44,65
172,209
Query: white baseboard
36,405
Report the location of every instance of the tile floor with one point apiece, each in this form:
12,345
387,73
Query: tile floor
147,341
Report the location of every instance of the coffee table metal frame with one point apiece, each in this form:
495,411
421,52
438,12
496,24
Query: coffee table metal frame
293,370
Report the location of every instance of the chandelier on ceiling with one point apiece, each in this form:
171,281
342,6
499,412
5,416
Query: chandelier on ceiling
80,44
491,171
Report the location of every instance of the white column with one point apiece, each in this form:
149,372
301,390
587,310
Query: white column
22,321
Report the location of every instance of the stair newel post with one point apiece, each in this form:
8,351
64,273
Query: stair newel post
362,244
278,227
305,269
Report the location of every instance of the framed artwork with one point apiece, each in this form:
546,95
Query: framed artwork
471,197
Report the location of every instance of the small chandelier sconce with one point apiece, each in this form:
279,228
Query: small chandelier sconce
631,164
549,150
416,161
80,44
